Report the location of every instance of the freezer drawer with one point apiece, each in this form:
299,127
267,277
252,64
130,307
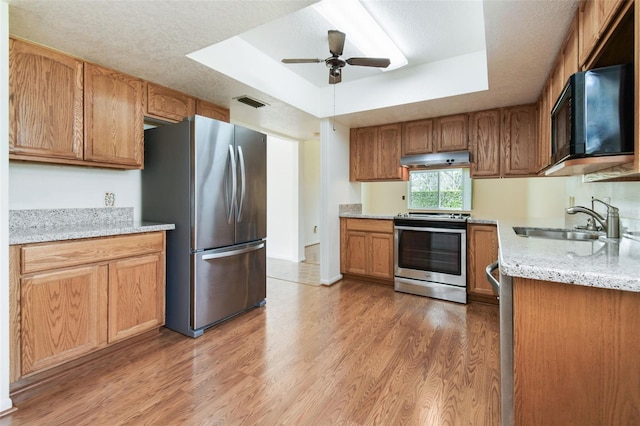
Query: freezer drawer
227,282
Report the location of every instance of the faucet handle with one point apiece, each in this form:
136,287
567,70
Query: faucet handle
610,209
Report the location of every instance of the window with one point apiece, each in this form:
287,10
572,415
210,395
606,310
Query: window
446,189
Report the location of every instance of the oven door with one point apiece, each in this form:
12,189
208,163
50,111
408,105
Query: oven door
431,254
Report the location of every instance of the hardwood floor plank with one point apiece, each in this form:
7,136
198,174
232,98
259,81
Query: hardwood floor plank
351,354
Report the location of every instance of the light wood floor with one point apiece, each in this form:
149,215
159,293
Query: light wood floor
354,353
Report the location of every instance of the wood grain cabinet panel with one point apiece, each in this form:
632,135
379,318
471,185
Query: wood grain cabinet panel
485,144
366,248
589,28
136,301
575,354
375,153
417,137
71,298
482,250
451,133
45,103
114,116
208,109
167,104
63,316
519,133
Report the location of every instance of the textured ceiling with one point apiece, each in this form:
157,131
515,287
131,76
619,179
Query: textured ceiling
150,39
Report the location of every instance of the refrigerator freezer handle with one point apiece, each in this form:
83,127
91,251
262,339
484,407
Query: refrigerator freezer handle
243,177
234,184
232,252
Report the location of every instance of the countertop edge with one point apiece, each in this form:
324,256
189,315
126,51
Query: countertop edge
43,235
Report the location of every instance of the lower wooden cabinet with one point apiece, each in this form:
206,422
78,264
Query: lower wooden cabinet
68,299
63,315
366,248
482,250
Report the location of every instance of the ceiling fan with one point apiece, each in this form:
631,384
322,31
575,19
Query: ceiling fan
335,63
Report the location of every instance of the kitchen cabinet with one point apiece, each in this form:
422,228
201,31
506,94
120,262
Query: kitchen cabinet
167,104
45,104
485,144
451,133
366,248
114,116
207,109
595,17
543,147
375,153
72,298
417,137
575,354
482,250
519,135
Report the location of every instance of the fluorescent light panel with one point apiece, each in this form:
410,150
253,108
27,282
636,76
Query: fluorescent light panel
350,17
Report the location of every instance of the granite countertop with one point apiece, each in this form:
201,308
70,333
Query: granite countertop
37,226
600,263
367,216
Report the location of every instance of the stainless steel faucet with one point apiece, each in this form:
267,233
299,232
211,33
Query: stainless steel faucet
611,224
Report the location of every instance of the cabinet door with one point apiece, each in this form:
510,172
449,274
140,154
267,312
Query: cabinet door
113,112
380,247
485,143
417,137
570,51
64,315
589,26
387,152
543,146
136,295
519,136
355,258
45,102
451,133
168,104
482,251
362,156
207,109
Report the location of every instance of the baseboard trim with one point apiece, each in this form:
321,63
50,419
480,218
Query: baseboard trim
8,411
332,280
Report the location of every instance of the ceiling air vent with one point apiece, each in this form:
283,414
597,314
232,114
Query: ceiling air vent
250,101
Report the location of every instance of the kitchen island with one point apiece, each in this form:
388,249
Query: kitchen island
569,328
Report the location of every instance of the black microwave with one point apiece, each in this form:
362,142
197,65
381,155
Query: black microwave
594,114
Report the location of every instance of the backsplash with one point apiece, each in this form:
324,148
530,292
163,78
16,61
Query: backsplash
48,218
350,208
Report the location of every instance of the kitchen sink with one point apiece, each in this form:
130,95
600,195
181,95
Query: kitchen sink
558,234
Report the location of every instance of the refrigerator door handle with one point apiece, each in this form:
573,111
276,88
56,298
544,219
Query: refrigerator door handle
234,184
243,177
232,252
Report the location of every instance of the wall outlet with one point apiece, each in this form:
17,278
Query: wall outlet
109,199
315,229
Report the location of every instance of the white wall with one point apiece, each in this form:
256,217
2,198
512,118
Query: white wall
5,401
45,186
282,199
310,191
335,189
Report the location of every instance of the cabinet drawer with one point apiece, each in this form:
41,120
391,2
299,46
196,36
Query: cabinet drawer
372,225
45,256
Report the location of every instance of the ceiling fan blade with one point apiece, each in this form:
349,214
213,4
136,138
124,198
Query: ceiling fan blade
302,61
369,62
335,75
336,42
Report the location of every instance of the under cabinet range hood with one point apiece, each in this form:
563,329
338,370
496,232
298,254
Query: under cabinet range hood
444,159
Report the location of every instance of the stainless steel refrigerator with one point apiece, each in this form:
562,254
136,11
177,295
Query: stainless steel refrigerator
209,178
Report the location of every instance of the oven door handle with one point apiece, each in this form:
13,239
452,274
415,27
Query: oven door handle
416,228
488,270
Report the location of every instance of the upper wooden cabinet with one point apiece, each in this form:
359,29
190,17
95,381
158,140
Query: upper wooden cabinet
519,134
451,133
417,137
595,16
167,104
45,103
485,143
375,153
207,109
114,117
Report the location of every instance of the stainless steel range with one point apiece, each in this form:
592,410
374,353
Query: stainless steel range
430,257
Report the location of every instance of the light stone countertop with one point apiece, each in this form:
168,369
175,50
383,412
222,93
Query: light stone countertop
367,216
38,226
613,264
